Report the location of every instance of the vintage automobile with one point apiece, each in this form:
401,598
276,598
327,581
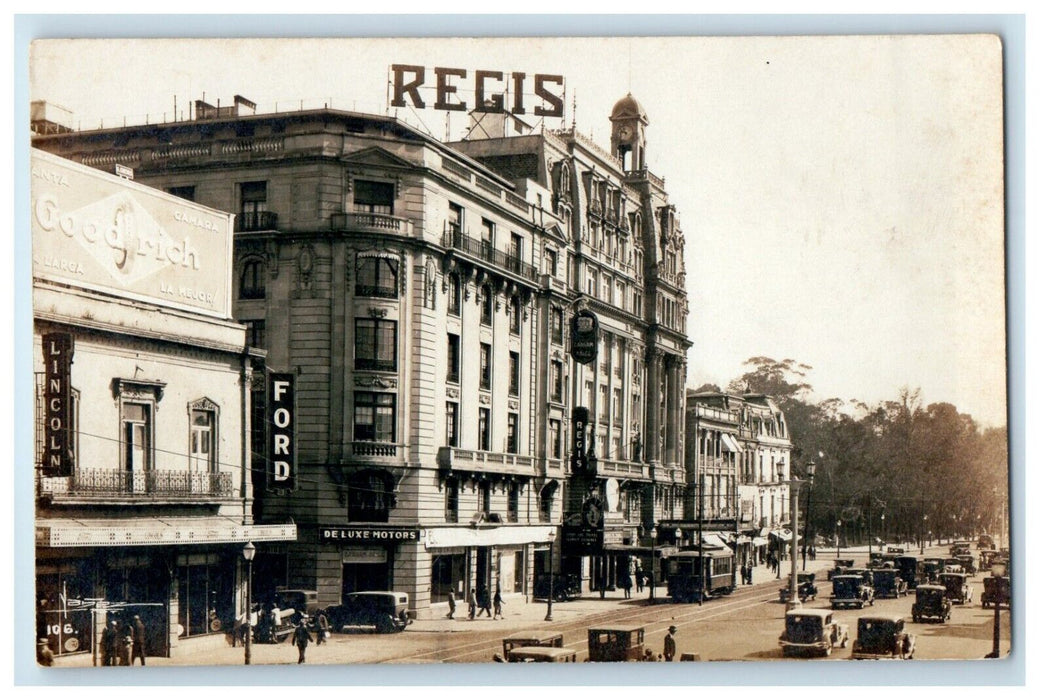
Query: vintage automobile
932,566
953,565
616,643
996,587
811,631
883,637
896,550
866,574
959,547
931,604
967,562
531,638
565,587
694,575
985,559
805,589
986,542
385,611
909,570
541,654
292,604
956,588
850,590
888,584
839,566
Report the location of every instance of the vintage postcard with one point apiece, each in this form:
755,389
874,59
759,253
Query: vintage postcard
355,351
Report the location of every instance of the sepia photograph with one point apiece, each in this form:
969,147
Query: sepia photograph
488,350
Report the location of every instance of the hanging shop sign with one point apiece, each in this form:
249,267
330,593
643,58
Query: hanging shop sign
491,90
585,335
58,401
281,455
370,534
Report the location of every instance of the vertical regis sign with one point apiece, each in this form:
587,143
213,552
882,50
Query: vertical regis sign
58,404
281,455
579,425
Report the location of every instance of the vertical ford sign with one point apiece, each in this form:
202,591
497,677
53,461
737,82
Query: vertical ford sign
58,404
280,454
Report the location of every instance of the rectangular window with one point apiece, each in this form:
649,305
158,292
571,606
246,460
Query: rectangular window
451,489
375,344
454,295
373,197
455,217
252,197
511,440
255,333
485,366
486,306
486,236
184,191
556,381
605,290
556,325
590,282
514,503
452,424
448,575
555,432
514,373
483,430
483,500
374,417
550,262
377,277
616,407
605,404
136,434
454,360
514,315
202,442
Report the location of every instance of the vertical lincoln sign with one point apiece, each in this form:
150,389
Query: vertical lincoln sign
58,400
281,457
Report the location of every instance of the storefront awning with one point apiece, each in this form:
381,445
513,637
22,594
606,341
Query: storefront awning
759,541
488,536
785,535
133,532
713,540
728,443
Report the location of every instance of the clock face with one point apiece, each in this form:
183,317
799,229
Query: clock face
625,132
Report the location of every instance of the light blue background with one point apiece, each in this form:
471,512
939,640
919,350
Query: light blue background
1011,28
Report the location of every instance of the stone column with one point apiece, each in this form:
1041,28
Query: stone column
653,446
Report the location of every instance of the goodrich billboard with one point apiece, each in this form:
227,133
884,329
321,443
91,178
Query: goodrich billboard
101,232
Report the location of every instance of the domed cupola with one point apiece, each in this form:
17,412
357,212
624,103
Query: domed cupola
628,140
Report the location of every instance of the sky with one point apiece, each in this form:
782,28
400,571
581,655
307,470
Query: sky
841,197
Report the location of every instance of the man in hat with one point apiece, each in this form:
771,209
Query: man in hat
301,638
138,640
669,648
111,644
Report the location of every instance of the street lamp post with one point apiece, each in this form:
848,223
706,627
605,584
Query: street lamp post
807,517
654,539
998,570
249,550
922,531
549,602
883,530
838,523
794,484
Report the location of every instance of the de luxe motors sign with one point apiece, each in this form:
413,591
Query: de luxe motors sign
98,231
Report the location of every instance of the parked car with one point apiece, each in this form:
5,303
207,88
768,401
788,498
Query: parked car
883,637
932,566
866,574
985,559
931,604
850,590
531,638
909,570
959,547
996,587
967,562
542,654
811,631
986,542
896,550
385,611
805,589
839,567
565,587
956,588
888,584
616,643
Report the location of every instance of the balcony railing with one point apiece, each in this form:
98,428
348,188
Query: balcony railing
370,290
478,460
375,449
454,238
368,222
112,483
255,221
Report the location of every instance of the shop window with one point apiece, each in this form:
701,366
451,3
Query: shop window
448,576
454,295
370,497
451,491
205,585
374,417
454,360
375,344
518,574
252,280
373,197
377,277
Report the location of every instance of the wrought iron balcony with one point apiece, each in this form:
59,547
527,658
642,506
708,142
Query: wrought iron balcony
109,484
454,238
255,221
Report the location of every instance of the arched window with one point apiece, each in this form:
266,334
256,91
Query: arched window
370,497
377,277
252,280
546,499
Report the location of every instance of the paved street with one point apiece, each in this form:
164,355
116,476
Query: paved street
742,626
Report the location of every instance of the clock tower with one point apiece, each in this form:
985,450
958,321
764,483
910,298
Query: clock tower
628,140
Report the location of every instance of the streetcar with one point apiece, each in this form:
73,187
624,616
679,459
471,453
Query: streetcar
694,575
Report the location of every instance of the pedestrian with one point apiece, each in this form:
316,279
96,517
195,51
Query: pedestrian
639,578
777,567
472,603
301,638
627,586
498,602
450,605
669,647
138,638
322,628
44,655
274,622
485,601
110,643
750,571
127,646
